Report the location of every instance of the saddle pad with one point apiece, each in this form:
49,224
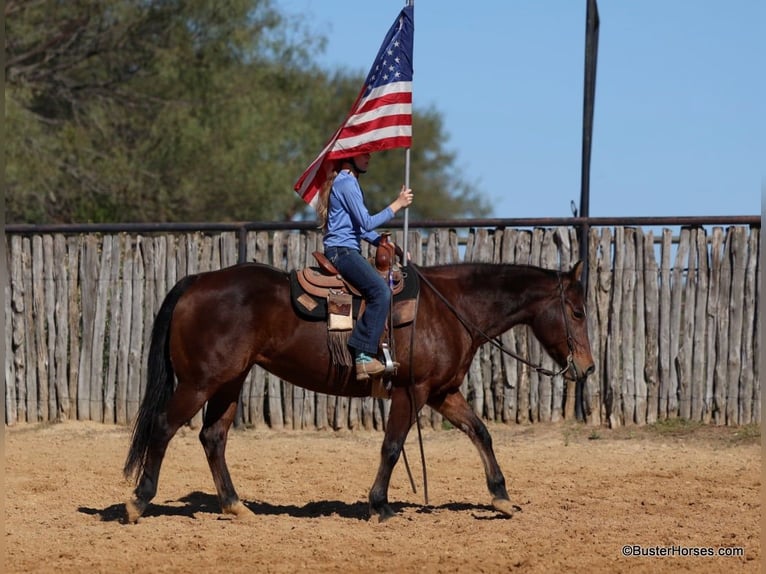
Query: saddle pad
311,306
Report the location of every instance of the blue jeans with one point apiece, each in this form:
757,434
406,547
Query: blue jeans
377,294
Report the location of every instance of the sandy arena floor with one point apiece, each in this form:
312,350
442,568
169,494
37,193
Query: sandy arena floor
585,494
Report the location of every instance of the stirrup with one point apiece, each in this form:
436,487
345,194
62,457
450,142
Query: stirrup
390,365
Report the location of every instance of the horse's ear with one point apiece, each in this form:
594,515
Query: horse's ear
576,272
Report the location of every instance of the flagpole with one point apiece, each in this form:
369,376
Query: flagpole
406,183
406,209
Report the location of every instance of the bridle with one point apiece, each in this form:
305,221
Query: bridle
499,345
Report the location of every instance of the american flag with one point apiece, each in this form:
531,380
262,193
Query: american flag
381,117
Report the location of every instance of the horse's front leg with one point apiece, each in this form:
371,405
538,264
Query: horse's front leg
457,411
400,420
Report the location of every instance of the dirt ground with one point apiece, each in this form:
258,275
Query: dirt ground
584,494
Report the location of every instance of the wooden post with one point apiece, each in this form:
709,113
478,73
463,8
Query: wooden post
126,320
676,305
712,321
747,398
699,335
651,359
136,346
616,383
99,331
720,378
115,320
640,332
736,307
628,326
686,336
603,275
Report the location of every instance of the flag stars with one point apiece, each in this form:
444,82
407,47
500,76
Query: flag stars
392,64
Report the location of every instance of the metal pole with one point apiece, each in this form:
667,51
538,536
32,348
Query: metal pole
405,243
406,209
589,98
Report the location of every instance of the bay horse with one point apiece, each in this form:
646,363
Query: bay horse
213,327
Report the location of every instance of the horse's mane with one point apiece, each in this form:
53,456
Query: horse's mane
481,267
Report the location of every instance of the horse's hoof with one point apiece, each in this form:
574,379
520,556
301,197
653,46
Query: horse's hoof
505,506
239,511
383,513
385,516
133,511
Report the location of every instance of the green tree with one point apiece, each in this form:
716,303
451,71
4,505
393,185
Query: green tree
162,110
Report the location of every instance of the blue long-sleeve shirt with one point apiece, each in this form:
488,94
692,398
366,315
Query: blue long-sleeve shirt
348,221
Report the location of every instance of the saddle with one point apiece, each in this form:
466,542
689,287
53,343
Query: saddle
321,294
319,281
318,291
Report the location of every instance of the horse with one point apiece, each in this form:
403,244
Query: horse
212,327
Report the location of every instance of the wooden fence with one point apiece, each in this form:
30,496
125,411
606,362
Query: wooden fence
671,319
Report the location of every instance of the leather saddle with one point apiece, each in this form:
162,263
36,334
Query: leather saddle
312,286
318,281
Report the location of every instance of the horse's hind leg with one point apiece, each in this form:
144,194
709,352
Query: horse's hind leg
221,410
181,407
457,411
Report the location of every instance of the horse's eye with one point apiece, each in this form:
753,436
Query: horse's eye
579,313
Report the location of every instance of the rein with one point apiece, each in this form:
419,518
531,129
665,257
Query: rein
414,414
392,347
498,344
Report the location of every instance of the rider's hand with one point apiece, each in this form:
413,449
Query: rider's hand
406,196
404,199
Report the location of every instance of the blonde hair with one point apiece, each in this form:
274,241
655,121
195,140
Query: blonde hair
323,202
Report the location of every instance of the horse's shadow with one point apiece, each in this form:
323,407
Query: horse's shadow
190,505
203,503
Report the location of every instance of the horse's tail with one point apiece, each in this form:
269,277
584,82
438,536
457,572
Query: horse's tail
159,383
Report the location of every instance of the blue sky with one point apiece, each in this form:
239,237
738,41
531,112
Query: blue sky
677,97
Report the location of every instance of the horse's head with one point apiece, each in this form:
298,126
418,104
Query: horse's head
561,325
